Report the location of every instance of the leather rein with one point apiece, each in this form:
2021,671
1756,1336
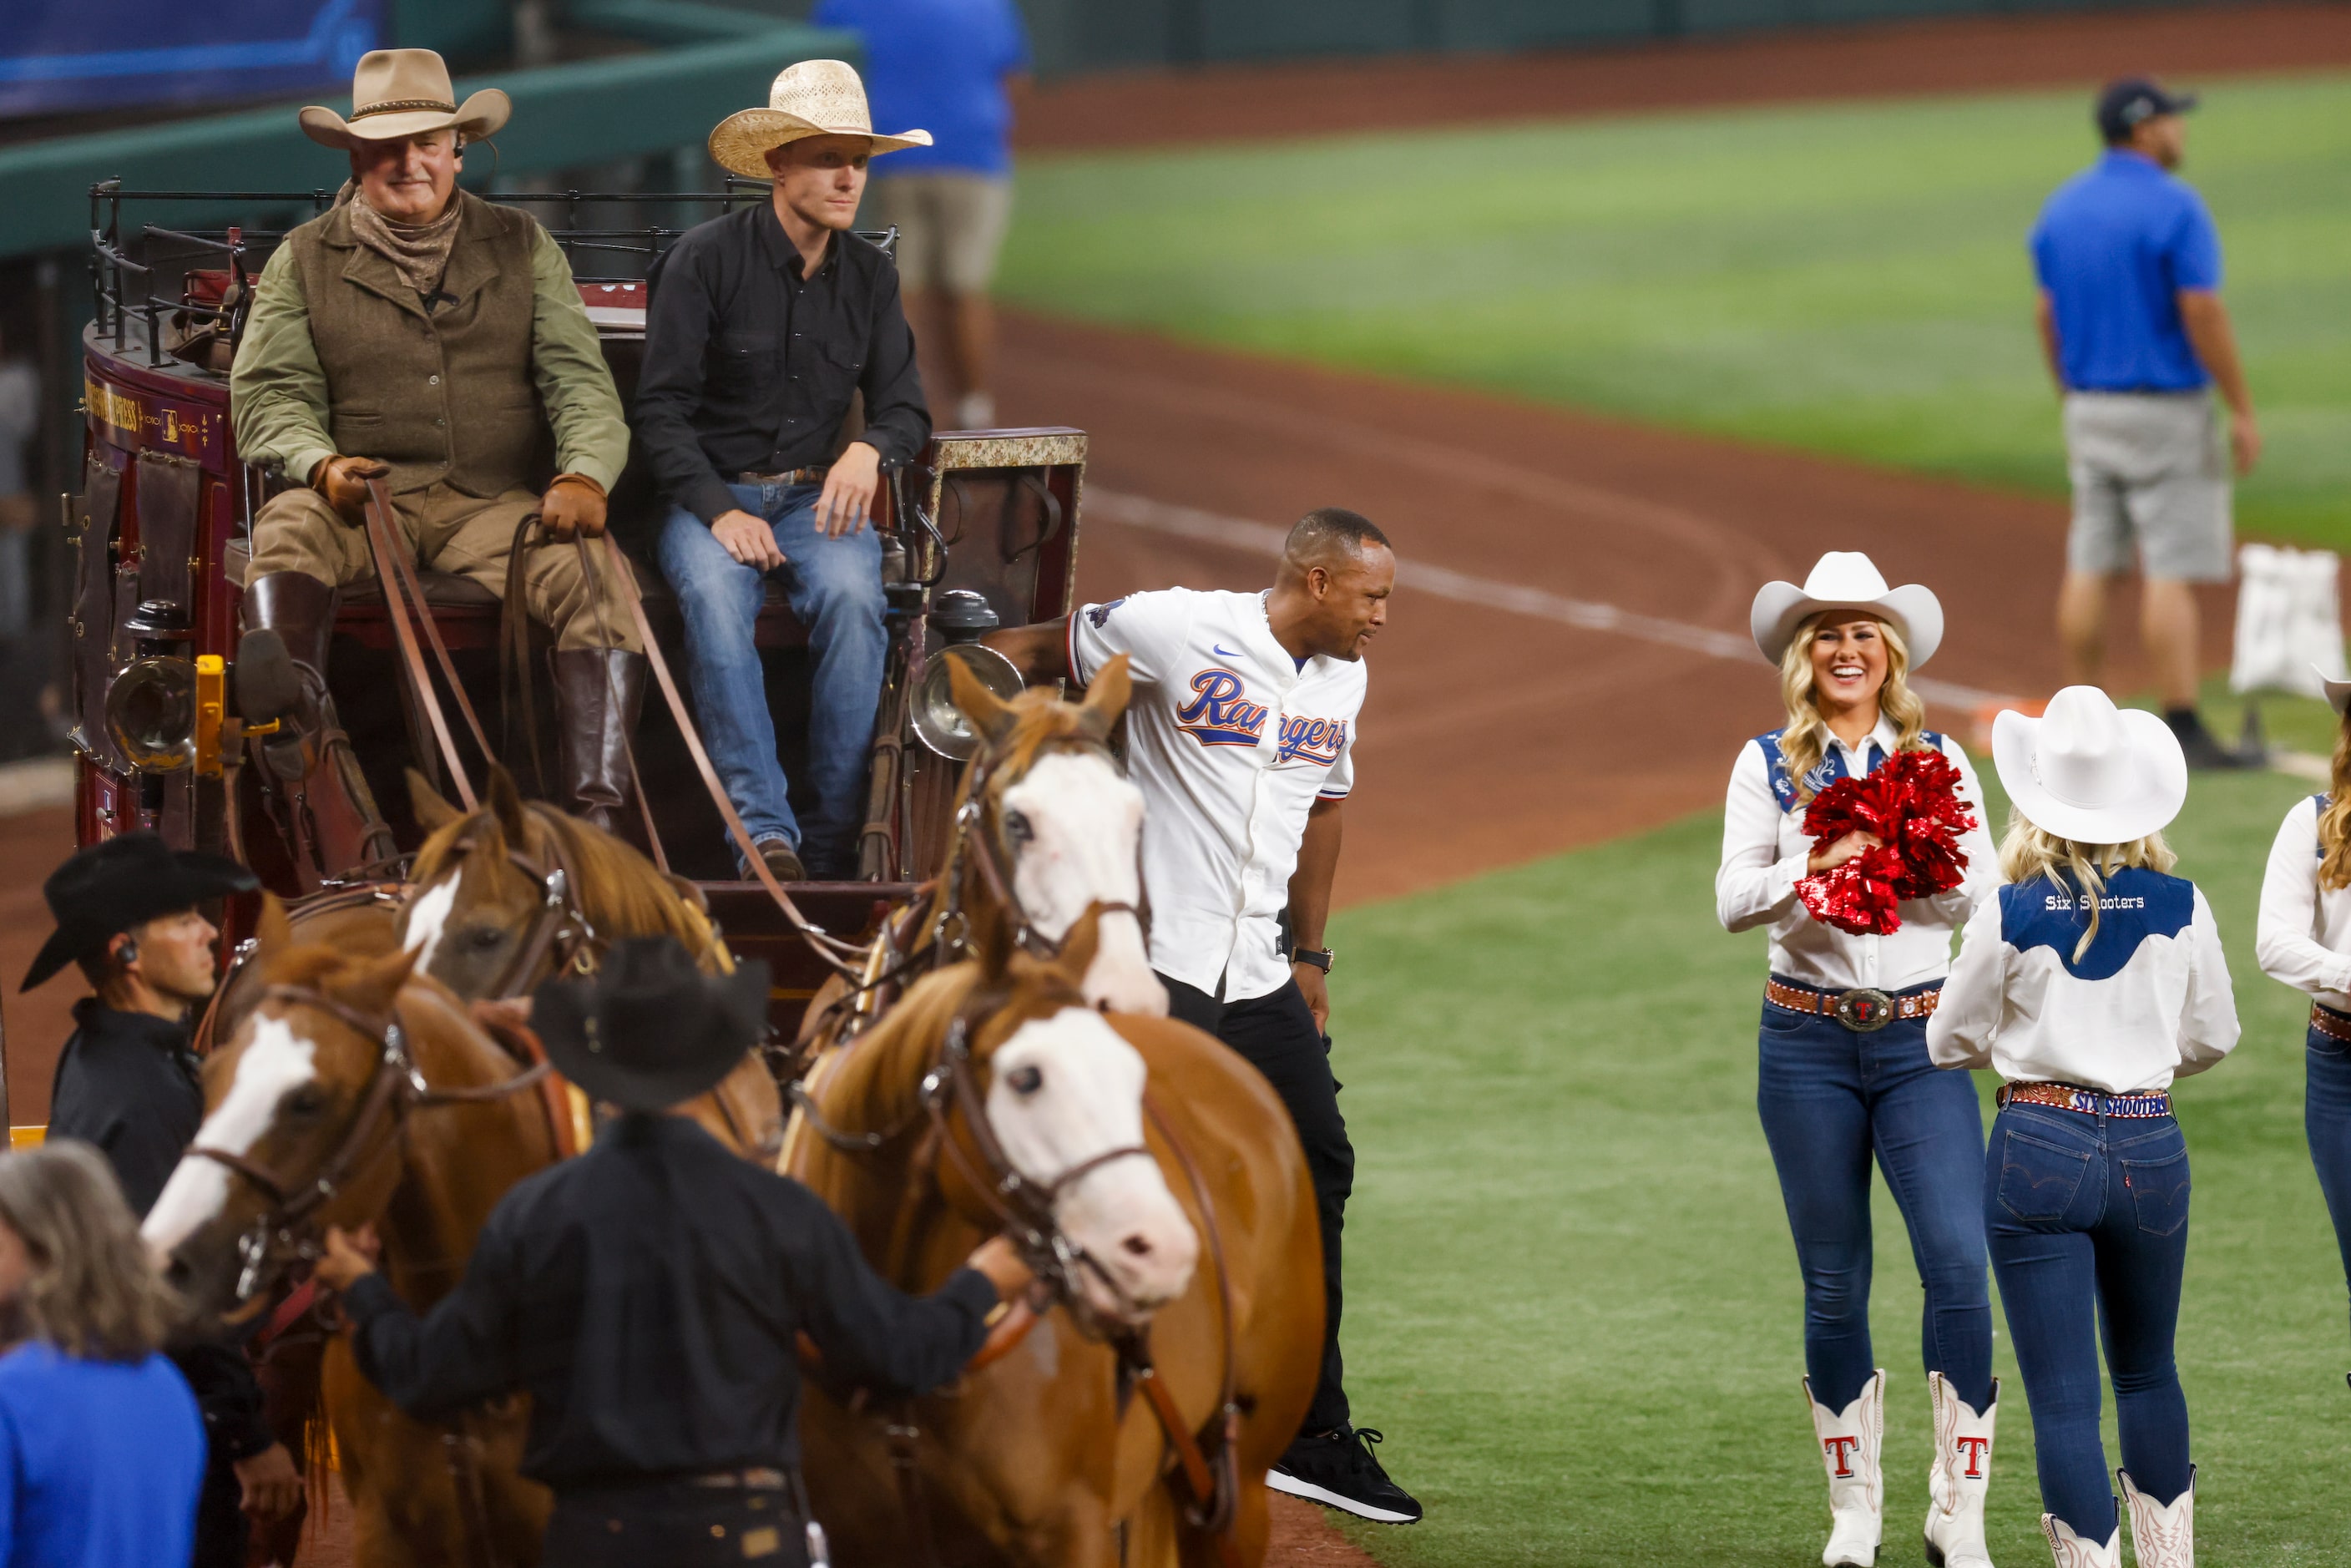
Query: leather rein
396,1088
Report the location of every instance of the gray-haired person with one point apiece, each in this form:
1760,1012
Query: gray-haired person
2128,261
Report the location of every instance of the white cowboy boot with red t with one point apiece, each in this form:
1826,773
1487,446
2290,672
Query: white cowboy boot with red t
1957,1477
1851,1442
2163,1535
2071,1552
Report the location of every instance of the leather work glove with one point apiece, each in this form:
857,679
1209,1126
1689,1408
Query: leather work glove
574,506
343,482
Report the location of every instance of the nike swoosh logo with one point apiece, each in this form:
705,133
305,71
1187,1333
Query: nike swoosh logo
1228,653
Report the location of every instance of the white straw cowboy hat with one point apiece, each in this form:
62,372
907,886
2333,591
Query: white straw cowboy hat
2089,771
1846,580
2338,693
405,92
814,98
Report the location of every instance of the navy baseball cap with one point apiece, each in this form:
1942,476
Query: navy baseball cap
2125,103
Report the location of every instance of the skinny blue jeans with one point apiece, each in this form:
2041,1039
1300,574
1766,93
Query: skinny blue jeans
2088,1220
1832,1100
2326,1122
835,587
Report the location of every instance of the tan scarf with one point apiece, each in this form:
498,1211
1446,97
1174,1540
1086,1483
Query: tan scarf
418,252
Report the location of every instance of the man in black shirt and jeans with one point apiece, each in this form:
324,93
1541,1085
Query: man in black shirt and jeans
762,326
647,1294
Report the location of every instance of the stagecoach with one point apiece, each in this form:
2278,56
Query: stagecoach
981,530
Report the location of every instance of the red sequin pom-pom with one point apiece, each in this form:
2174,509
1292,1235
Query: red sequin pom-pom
1911,803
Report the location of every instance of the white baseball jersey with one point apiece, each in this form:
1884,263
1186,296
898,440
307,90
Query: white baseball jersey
1231,741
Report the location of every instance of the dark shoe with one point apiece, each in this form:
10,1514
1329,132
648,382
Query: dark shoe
315,790
599,695
1339,1470
783,861
2205,753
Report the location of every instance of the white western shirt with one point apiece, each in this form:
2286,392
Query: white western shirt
1231,743
2304,936
2149,1001
1765,852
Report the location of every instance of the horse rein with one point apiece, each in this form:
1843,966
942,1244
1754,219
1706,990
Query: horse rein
396,1088
559,933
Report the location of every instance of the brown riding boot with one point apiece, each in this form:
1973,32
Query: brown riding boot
319,797
599,693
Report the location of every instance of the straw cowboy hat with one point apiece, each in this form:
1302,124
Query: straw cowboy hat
405,92
1847,580
649,1030
2338,693
814,98
2089,771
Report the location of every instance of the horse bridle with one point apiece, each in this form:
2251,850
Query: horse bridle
396,1088
559,932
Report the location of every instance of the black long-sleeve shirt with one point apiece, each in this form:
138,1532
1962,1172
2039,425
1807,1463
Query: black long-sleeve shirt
127,1082
646,1296
749,366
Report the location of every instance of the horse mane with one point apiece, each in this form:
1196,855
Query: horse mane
619,890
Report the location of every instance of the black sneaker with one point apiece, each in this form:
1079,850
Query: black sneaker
1339,1470
2203,749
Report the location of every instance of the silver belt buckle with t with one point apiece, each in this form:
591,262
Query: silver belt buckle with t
1864,1010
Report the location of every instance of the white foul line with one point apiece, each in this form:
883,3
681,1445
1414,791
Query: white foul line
1444,582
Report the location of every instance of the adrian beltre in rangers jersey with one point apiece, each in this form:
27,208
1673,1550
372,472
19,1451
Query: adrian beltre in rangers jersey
1240,736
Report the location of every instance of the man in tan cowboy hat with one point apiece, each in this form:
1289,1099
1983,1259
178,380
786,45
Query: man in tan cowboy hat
417,334
764,324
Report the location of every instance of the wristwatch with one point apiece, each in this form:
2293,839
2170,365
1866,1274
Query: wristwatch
1317,957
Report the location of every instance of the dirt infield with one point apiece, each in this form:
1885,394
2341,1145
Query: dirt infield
1973,54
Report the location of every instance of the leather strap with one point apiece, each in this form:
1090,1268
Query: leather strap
397,574
515,683
787,477
831,948
2330,1023
2087,1101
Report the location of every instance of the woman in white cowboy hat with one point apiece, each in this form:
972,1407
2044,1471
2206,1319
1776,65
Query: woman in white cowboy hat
2088,983
1843,1072
2305,940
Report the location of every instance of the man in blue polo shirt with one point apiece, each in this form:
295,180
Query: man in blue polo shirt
2137,339
951,64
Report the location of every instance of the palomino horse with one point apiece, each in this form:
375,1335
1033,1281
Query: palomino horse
505,896
1046,826
1128,1428
352,1091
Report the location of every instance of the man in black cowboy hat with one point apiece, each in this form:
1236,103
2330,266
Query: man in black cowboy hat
648,1294
127,913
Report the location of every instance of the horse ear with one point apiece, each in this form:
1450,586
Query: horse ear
506,804
275,931
1106,698
433,810
370,986
989,714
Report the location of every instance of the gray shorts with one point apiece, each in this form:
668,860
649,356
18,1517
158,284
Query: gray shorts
950,227
2149,469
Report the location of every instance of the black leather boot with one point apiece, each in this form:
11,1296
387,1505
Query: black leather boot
599,694
320,800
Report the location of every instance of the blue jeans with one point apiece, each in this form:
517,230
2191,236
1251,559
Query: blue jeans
835,587
2326,1122
2088,1219
1831,1099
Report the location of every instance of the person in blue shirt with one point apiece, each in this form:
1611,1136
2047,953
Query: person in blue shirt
2137,340
951,65
102,1447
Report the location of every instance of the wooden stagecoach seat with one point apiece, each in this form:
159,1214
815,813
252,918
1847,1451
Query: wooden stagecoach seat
467,614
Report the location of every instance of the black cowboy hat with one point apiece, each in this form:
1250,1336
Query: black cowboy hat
123,882
649,1030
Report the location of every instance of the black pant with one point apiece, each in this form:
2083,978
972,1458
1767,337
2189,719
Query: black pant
1276,1035
675,1524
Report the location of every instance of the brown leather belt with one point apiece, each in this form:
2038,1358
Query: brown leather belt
1863,1010
757,1479
789,477
2330,1023
2088,1102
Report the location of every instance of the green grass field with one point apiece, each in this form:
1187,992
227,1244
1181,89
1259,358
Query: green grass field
1847,279
1572,1301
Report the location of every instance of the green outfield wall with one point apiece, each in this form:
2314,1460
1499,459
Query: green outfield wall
1076,35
